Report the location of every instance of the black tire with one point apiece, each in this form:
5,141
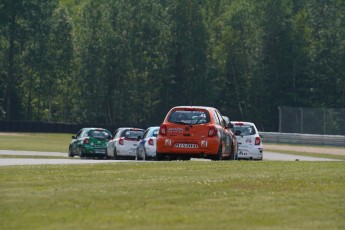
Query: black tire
234,156
70,154
184,158
145,156
219,156
262,157
155,157
106,157
80,150
137,155
159,157
115,157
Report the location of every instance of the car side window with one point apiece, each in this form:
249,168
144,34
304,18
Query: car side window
79,134
222,122
124,133
116,134
155,133
145,134
216,119
84,133
252,130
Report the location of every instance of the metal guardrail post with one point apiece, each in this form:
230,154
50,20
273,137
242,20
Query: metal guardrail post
324,121
280,119
301,119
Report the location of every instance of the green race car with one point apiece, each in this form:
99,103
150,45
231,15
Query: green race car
89,142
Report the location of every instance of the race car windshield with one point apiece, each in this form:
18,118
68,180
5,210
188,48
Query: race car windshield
155,133
132,134
100,134
246,130
189,117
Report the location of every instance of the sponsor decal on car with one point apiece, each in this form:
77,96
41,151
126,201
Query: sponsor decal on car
175,130
180,145
243,153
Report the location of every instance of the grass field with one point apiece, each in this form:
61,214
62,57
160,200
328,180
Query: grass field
42,142
299,153
334,152
174,195
51,142
167,195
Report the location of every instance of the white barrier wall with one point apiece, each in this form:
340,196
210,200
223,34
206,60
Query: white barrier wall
304,139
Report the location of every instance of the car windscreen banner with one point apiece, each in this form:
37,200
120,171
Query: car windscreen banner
191,117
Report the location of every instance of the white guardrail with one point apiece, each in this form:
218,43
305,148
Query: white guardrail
304,139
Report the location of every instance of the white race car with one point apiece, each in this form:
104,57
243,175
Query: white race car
124,143
147,146
249,140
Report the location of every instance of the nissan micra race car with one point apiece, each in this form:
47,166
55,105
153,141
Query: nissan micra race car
195,131
147,146
89,142
249,140
125,143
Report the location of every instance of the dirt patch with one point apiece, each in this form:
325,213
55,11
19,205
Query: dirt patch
306,149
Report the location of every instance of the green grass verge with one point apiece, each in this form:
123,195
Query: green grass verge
321,155
52,142
33,157
42,142
174,195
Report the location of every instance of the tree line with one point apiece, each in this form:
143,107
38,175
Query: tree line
129,61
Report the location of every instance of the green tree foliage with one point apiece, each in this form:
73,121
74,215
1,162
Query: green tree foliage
327,52
25,31
123,58
60,54
188,54
239,55
128,62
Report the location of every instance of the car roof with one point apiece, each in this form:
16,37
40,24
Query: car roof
243,122
123,128
193,107
153,127
91,128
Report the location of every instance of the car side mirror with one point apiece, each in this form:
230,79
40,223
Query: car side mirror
237,133
73,137
230,125
139,138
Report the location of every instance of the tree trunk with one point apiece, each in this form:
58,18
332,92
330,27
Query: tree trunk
10,68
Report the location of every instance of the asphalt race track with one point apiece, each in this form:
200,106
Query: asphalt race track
268,156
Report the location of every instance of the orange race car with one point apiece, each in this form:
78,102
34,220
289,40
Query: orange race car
195,131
